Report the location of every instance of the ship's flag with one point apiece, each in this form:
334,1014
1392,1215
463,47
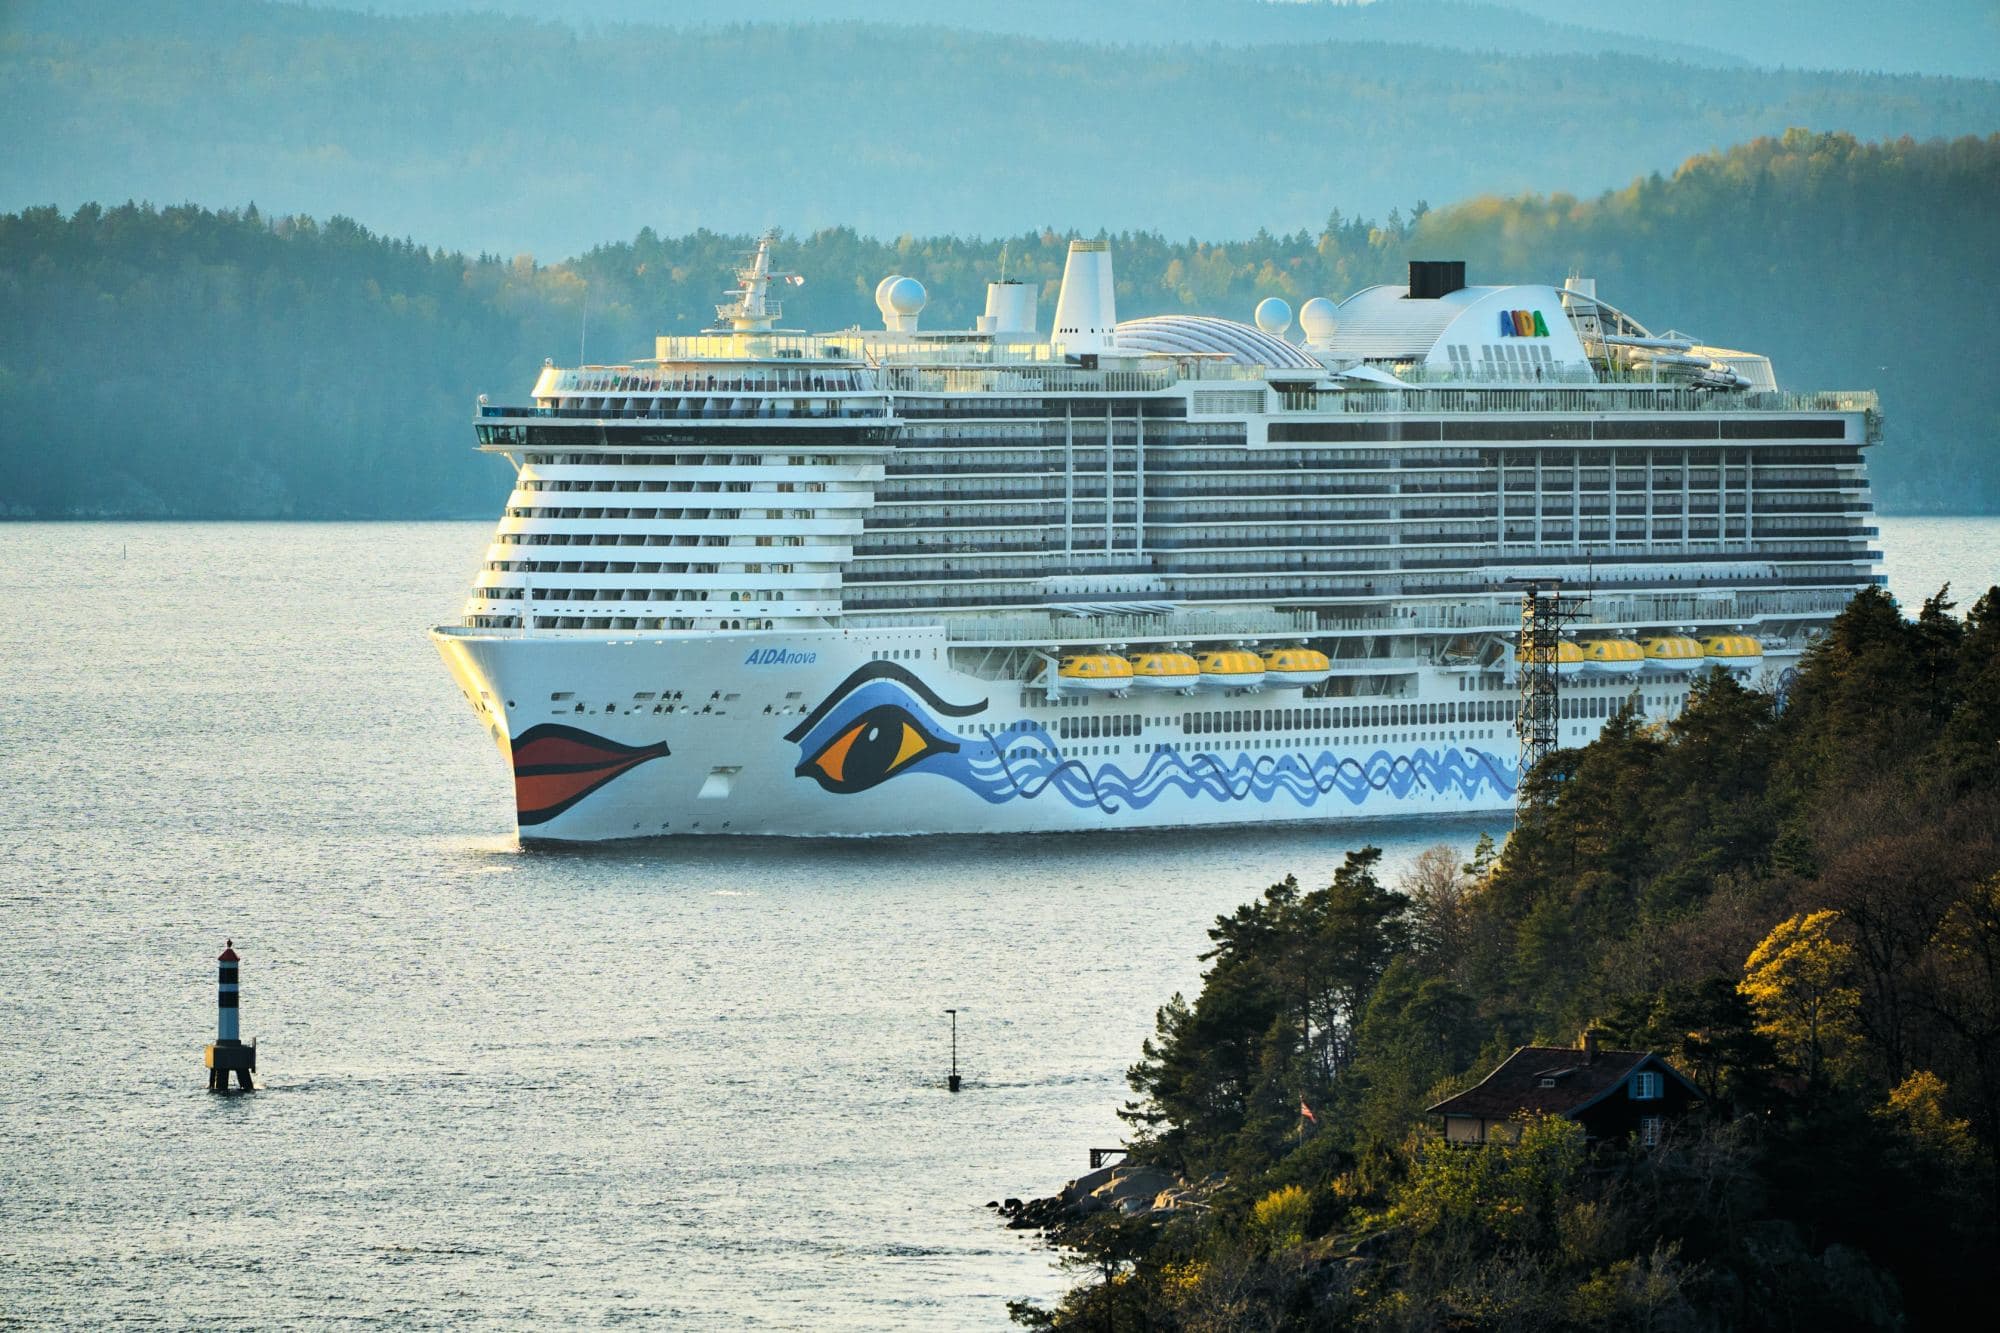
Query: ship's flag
1307,1111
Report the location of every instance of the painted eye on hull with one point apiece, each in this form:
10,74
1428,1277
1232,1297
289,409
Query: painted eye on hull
876,746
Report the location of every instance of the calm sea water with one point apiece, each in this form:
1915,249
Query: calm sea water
696,1081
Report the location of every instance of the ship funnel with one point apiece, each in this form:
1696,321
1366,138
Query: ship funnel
1010,308
1086,310
1431,279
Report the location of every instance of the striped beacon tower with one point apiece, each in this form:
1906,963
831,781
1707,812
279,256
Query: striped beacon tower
228,1052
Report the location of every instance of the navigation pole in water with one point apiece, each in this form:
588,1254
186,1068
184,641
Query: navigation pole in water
952,1081
1545,612
228,1052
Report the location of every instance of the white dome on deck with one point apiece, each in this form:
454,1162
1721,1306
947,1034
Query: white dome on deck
1318,319
1273,316
904,296
900,300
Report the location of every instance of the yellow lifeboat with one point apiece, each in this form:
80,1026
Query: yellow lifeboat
1296,668
1165,671
1098,673
1673,652
1612,657
1569,658
1231,668
1738,652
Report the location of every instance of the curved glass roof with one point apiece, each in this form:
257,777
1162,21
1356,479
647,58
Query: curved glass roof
1244,344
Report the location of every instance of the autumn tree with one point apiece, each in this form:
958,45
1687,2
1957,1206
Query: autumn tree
1799,981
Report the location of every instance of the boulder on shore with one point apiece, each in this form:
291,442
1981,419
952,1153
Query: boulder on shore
1133,1190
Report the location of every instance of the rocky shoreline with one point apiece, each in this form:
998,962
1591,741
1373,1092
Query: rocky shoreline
1129,1189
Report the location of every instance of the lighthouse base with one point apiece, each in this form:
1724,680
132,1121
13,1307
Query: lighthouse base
225,1057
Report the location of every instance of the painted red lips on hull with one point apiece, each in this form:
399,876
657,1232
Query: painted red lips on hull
557,766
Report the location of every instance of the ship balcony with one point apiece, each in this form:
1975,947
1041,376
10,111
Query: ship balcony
871,407
940,470
1770,506
687,527
666,549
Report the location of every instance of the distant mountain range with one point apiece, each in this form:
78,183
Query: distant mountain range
1464,25
1957,37
504,133
1960,37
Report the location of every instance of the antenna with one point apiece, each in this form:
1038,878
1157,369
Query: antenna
583,332
1538,717
750,309
1004,246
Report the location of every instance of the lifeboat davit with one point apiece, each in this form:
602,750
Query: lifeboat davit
1738,652
1673,652
1231,668
1569,658
1099,673
1296,668
1165,671
1612,657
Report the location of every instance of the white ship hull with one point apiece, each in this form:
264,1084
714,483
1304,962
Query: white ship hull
873,732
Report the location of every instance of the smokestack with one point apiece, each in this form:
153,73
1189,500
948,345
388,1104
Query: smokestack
1587,1043
1433,278
1010,308
1086,310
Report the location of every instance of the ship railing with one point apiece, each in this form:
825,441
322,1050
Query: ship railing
1533,399
871,408
656,377
1492,614
1025,379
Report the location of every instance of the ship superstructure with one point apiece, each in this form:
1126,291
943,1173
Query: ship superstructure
1174,570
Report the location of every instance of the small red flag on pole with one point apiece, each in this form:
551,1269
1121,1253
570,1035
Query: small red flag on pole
1307,1111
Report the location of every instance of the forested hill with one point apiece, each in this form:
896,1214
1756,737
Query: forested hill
1796,904
506,133
188,362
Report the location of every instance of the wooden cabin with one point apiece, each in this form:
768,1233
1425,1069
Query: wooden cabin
1614,1095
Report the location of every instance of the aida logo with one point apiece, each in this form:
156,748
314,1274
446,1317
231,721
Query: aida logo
1522,324
779,657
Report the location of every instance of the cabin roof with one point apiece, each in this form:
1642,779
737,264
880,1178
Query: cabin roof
1575,1079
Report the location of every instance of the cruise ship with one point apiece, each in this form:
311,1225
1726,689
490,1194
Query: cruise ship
1168,571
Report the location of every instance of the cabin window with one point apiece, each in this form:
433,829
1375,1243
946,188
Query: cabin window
1646,1086
1649,1130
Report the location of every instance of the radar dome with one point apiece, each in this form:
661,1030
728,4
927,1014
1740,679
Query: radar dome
906,296
900,300
1318,320
1274,316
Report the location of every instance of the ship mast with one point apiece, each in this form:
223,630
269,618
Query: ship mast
750,308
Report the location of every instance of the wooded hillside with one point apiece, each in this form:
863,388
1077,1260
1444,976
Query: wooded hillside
1796,902
187,362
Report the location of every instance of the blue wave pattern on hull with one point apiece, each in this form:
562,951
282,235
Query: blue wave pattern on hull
856,740
1004,775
